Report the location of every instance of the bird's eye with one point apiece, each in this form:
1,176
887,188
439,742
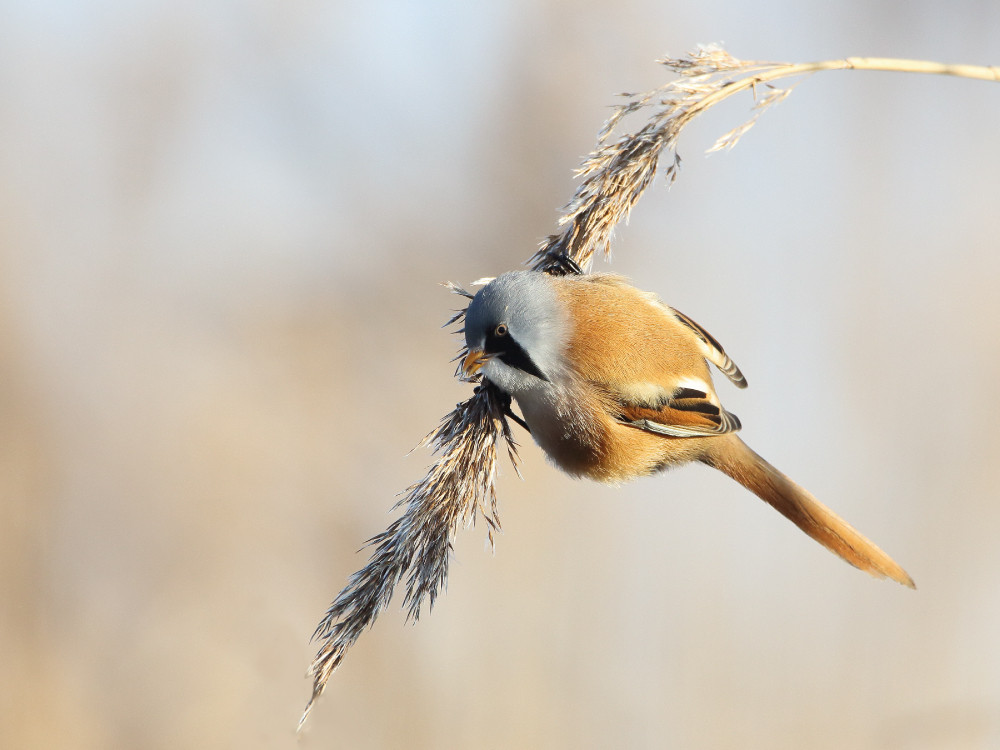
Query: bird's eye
500,330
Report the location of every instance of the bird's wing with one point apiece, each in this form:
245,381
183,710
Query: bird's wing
713,350
685,412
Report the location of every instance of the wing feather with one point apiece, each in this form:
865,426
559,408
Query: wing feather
713,350
687,412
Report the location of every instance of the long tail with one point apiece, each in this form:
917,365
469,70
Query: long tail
734,458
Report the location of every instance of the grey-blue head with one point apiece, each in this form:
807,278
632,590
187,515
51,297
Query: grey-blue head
515,330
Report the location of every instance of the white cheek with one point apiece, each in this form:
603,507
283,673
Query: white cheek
510,379
501,375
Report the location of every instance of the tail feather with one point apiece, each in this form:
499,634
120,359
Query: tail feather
734,458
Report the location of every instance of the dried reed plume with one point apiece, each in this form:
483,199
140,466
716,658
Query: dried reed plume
459,486
616,174
461,483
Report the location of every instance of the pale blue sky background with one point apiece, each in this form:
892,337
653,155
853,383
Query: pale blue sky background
222,229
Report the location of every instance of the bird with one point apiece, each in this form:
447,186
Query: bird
613,384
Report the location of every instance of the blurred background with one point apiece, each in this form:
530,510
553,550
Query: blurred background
222,230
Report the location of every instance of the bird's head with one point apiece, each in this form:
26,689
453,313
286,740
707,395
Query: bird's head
515,331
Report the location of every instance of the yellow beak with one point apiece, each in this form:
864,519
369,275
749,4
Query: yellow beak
474,362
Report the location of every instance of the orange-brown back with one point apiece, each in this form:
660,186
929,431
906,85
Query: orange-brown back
621,335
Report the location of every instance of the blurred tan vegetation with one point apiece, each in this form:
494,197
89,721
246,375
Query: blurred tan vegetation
221,232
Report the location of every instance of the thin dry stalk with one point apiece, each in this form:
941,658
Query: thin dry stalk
616,174
461,483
